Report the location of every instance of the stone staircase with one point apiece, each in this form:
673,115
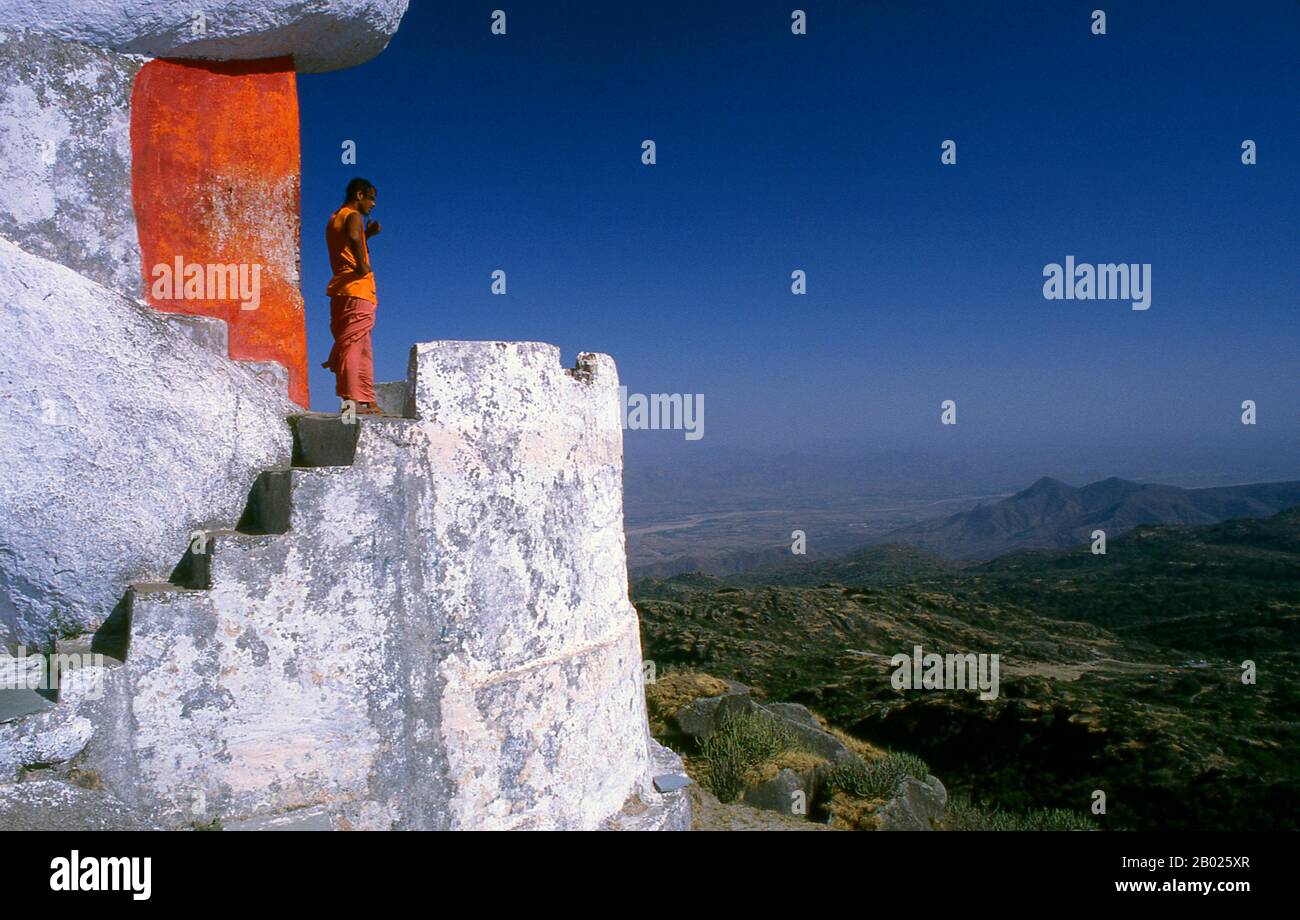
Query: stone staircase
421,623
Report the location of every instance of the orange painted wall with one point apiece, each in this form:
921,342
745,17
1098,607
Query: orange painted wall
215,178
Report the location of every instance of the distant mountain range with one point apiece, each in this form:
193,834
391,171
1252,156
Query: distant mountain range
1053,515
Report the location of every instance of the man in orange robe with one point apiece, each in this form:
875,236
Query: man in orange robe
352,297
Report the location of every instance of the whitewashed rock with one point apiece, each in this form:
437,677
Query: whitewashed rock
51,737
65,156
121,436
320,34
23,672
437,635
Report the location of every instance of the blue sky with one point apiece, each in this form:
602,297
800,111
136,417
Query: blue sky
821,152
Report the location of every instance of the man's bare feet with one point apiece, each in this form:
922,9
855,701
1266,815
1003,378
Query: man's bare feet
366,408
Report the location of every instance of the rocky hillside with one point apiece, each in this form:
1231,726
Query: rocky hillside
1120,672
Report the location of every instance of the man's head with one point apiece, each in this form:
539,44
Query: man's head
360,195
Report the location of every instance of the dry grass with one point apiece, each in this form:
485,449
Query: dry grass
672,691
851,813
862,748
794,759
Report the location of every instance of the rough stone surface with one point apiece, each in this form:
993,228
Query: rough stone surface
441,638
21,673
708,814
915,806
778,793
320,34
50,805
814,738
124,436
320,818
670,811
796,713
702,716
49,738
391,397
65,156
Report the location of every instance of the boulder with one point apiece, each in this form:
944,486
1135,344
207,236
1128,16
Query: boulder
812,737
320,35
65,156
701,717
781,792
914,806
124,436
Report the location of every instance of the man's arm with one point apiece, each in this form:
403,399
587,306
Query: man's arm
357,242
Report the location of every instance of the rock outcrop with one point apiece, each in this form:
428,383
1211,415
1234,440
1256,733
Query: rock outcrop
817,778
124,434
131,425
65,156
423,623
319,34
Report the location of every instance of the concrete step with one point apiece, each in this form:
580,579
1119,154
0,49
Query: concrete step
192,572
18,704
98,647
269,504
267,515
391,397
324,440
195,571
226,552
159,610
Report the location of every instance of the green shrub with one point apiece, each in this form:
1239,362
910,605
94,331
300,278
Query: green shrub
876,779
742,742
964,815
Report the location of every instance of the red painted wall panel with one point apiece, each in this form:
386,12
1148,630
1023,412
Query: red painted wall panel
215,179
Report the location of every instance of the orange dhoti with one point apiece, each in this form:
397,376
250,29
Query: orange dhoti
351,359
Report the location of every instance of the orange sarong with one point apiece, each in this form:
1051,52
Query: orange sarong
351,358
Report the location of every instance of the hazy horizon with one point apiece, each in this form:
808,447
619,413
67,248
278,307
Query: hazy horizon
822,153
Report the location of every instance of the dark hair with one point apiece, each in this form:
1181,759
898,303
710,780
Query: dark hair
357,185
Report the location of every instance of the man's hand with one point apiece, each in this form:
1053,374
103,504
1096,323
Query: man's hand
373,229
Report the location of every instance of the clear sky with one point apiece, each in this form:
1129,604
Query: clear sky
821,152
